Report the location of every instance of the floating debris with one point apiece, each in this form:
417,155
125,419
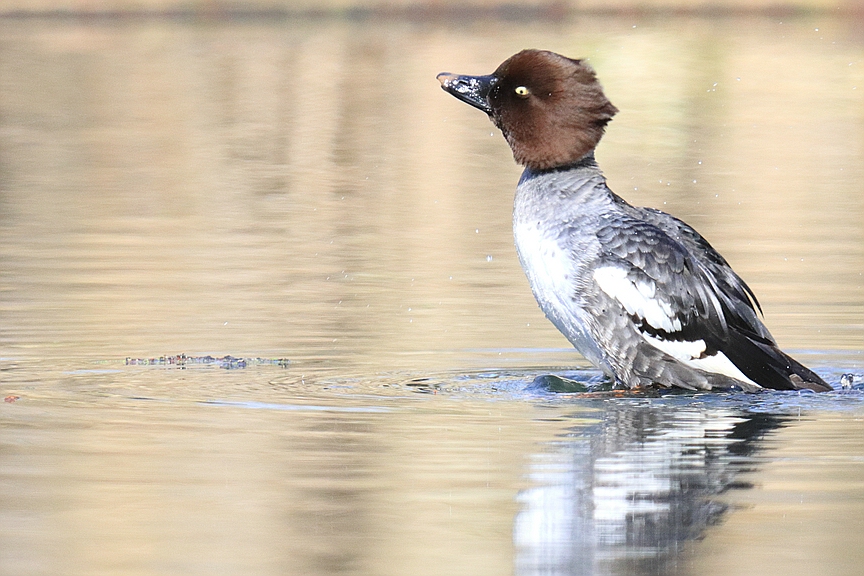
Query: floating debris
423,385
225,362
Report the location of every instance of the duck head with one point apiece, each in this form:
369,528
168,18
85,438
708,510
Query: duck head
550,108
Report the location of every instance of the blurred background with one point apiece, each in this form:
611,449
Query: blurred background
460,7
287,180
235,178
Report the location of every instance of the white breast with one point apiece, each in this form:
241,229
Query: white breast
552,273
545,262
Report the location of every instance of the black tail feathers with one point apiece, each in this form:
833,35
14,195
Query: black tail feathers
772,368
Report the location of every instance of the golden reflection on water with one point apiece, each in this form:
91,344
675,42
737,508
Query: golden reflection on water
310,482
811,518
305,190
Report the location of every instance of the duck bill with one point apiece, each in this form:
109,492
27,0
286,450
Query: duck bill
473,90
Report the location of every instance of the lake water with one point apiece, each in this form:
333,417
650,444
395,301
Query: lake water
303,190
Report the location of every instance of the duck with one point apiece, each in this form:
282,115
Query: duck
638,292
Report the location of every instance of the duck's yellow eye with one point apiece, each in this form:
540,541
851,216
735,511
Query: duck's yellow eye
522,91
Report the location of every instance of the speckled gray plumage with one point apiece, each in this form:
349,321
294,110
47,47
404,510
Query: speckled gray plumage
567,224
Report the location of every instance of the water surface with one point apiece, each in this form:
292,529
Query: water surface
303,190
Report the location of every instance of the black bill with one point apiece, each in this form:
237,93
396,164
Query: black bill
473,90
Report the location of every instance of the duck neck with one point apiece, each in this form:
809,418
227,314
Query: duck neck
586,165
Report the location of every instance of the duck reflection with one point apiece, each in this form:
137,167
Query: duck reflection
622,496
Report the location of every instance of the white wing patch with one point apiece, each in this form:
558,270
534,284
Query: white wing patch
638,298
690,353
720,364
683,350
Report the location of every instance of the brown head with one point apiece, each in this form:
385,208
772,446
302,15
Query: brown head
550,108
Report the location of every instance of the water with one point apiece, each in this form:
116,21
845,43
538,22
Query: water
303,190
